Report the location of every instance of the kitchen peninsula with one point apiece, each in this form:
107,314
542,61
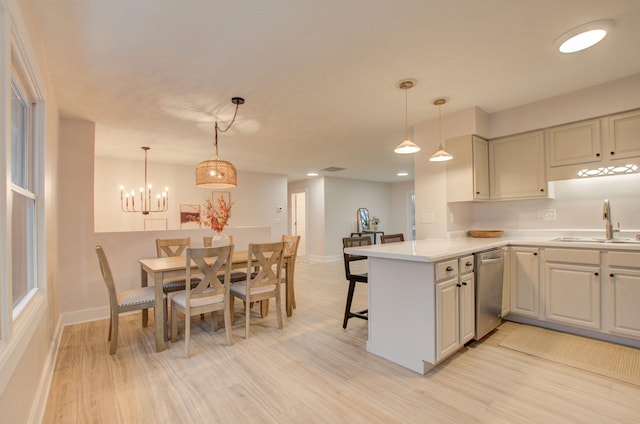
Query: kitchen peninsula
421,300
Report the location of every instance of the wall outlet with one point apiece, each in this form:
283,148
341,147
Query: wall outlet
547,215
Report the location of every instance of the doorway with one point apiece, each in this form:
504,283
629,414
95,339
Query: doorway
299,220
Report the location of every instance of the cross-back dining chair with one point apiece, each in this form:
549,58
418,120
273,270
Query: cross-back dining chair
126,301
264,283
209,295
354,277
235,275
169,248
290,250
391,238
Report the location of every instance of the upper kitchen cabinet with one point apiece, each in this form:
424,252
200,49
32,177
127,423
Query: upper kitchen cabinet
468,171
517,167
592,147
624,135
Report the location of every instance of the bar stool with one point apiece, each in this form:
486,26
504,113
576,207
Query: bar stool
352,277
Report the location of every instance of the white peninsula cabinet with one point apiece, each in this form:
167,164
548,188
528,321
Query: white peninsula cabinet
517,167
455,305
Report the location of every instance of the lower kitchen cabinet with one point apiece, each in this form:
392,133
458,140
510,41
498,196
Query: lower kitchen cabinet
455,314
623,280
572,287
525,281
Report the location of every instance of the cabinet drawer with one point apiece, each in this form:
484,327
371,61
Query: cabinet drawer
576,256
465,264
446,269
624,259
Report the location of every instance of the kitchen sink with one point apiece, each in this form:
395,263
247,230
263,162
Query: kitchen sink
596,240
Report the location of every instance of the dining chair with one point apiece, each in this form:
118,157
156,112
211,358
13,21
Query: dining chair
290,250
126,301
208,295
354,277
391,238
169,248
235,275
264,282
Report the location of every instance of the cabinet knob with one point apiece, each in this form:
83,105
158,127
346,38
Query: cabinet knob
535,253
477,192
596,274
597,154
612,275
613,153
458,285
464,284
542,190
468,264
449,268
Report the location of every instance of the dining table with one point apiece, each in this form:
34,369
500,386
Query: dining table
158,269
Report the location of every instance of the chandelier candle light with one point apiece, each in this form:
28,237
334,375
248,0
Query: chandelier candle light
128,202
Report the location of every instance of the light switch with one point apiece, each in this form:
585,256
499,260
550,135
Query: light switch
427,218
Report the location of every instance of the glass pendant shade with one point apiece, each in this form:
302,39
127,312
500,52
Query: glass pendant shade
216,174
441,155
407,147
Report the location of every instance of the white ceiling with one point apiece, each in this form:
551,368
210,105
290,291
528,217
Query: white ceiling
319,77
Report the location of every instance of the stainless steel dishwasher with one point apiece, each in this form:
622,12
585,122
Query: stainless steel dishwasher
489,274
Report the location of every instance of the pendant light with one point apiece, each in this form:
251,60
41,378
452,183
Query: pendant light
218,173
407,146
441,155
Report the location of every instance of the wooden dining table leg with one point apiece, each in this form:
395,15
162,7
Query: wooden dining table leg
144,283
162,335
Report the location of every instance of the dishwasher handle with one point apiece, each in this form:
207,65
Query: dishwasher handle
491,261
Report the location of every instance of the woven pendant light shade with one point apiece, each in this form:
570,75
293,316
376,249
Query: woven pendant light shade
216,174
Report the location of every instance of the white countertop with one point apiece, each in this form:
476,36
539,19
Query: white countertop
433,250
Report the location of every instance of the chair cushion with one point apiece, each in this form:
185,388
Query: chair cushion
139,296
181,299
241,288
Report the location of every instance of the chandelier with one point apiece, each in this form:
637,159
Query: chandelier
128,199
218,173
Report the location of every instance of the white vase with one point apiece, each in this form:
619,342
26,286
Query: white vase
220,239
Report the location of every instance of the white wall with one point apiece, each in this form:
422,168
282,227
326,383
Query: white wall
255,199
399,220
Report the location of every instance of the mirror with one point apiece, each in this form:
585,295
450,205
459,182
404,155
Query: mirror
362,219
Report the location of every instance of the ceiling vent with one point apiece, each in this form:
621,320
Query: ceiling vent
333,169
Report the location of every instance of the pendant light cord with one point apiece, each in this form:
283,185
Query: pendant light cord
218,129
406,118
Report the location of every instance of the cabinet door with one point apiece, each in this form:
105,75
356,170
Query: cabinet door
467,308
516,167
624,307
623,135
506,283
572,294
525,283
480,169
447,315
574,144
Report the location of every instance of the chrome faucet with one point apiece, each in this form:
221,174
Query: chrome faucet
606,215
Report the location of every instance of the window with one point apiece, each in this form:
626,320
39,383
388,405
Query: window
23,197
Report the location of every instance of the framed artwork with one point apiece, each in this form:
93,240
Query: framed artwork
155,224
189,216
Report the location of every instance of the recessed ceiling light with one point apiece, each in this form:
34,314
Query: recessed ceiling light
402,174
312,174
583,36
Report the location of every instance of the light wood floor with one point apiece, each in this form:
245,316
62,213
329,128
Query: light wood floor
313,371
